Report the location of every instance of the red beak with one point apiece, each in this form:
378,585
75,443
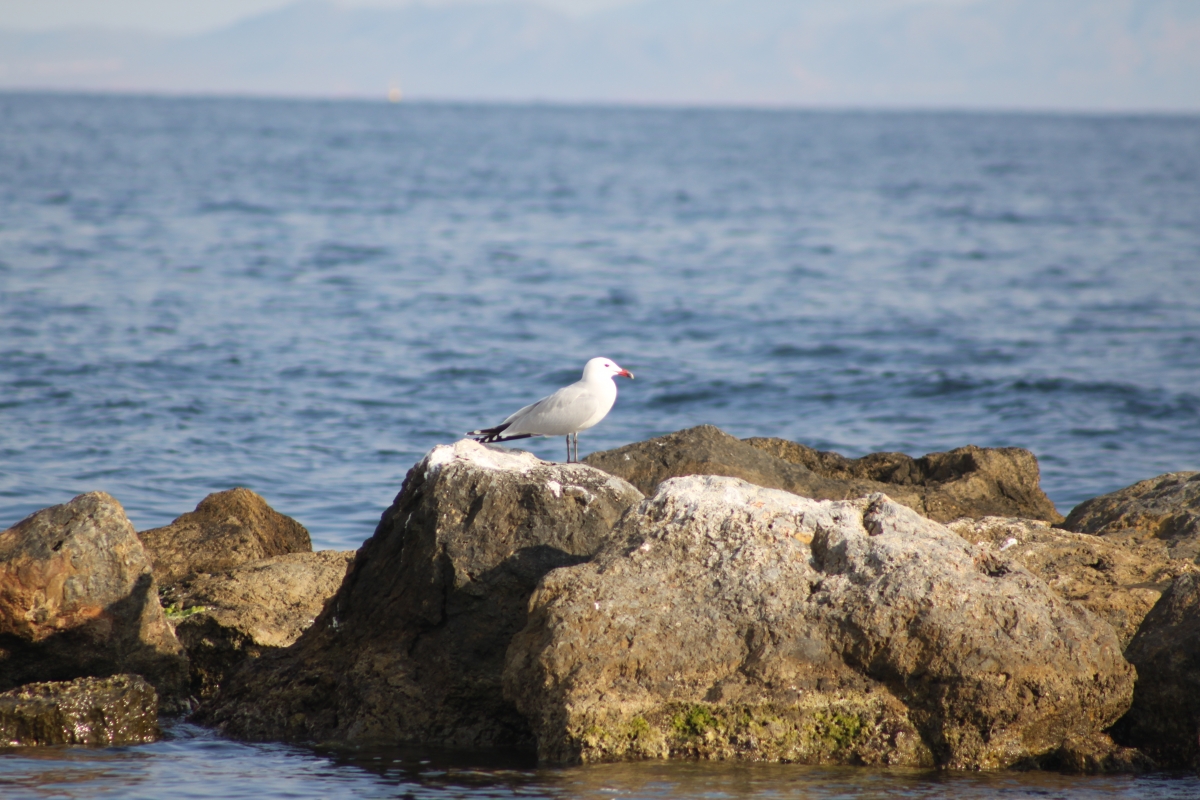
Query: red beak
626,373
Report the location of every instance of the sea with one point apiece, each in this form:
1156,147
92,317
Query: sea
303,297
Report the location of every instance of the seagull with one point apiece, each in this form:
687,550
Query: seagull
568,411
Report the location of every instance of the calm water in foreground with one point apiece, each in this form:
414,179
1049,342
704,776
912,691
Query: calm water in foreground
304,297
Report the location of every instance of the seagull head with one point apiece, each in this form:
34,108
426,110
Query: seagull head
601,367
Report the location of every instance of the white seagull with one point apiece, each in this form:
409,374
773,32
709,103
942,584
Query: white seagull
568,411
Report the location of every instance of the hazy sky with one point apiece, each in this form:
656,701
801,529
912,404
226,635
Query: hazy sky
188,16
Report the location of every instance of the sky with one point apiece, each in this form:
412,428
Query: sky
189,16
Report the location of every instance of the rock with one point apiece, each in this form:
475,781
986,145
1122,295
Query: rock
1166,508
1164,720
965,482
411,648
78,599
1096,755
227,618
226,530
726,620
1119,579
970,481
118,710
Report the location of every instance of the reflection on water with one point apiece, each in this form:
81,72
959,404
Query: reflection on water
195,763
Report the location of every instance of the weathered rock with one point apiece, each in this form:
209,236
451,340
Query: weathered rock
411,648
726,620
1164,720
965,482
122,709
1117,578
227,618
1096,755
1166,507
226,530
969,481
78,599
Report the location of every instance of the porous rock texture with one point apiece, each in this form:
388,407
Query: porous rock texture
726,620
1164,720
412,646
117,710
227,529
78,599
967,482
1165,508
1118,578
229,617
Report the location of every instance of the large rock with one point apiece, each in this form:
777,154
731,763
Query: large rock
226,530
78,599
224,619
726,620
970,481
1166,508
1164,720
118,710
411,648
1117,578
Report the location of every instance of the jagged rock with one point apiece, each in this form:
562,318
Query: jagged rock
1164,720
226,530
965,482
1166,508
1096,755
118,710
726,620
411,648
78,599
1117,578
227,618
969,481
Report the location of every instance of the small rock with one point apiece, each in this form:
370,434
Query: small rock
226,530
1166,508
225,619
78,599
118,710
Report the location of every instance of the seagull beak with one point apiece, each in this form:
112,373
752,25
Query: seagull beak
626,373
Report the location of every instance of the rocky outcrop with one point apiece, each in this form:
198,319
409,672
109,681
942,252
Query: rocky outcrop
1164,720
726,620
226,530
412,646
1117,578
967,482
118,710
1166,508
78,599
224,619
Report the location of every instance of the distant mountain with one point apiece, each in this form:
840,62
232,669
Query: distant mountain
1056,54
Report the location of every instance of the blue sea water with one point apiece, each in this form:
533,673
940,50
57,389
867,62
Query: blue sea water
303,297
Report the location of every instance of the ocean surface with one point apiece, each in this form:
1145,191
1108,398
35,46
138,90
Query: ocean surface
303,297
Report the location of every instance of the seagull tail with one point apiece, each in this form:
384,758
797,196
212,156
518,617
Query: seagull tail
496,434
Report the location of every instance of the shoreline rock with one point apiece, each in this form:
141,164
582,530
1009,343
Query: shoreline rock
726,620
264,606
1166,508
78,599
227,529
411,648
970,481
117,710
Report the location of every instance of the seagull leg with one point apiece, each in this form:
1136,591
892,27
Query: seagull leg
575,439
568,448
